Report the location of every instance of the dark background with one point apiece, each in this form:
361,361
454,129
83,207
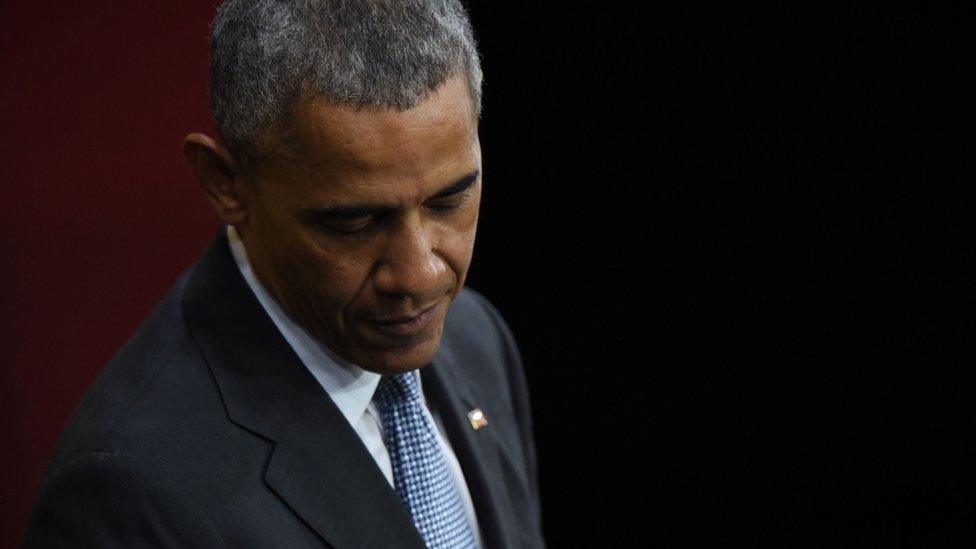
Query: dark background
734,247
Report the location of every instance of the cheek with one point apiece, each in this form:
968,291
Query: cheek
459,243
469,223
335,276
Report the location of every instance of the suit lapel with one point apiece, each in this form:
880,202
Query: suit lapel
318,465
478,451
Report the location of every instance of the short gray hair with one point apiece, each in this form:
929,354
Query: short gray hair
266,54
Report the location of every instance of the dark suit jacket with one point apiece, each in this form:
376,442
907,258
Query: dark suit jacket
207,430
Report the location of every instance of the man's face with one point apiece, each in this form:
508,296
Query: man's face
367,221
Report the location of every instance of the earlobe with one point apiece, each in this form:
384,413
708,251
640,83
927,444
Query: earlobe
216,173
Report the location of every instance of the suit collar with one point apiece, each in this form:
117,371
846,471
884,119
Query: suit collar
350,387
318,465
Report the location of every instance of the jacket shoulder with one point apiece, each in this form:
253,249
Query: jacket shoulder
104,499
130,383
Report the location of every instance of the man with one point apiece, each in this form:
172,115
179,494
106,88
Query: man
320,377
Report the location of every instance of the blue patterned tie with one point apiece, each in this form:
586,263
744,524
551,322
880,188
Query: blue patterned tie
420,473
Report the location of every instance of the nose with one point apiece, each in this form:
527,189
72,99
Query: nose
411,264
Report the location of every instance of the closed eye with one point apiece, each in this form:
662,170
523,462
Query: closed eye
445,208
358,226
346,231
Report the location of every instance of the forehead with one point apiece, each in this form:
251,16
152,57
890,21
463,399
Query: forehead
331,139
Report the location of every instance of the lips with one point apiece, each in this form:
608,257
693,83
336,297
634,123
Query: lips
402,326
402,318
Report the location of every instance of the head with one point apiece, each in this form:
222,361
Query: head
349,162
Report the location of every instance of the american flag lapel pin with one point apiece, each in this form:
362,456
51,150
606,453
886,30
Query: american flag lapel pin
477,419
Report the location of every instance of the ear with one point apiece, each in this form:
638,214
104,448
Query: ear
216,173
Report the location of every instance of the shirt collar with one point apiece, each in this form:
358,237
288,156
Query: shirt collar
349,386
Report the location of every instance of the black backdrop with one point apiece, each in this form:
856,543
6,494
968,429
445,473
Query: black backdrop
733,246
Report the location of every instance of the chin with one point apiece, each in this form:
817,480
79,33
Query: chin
403,359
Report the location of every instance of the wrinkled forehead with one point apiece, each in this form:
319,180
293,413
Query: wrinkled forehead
329,137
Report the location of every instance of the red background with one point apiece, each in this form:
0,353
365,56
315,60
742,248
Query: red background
101,212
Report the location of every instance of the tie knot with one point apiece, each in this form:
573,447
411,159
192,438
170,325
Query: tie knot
397,389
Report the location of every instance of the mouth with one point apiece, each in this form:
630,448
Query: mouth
403,326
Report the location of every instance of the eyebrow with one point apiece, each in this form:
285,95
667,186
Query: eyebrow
459,186
357,211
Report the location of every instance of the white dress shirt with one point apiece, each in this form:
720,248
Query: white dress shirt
348,385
